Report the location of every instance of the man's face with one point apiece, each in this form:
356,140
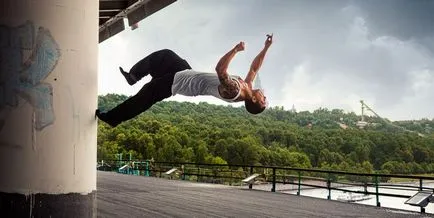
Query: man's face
260,97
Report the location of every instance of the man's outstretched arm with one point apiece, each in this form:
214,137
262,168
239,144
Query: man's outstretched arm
222,65
257,62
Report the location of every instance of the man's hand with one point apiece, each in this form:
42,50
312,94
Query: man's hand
269,40
240,47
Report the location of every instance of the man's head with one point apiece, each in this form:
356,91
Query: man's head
257,103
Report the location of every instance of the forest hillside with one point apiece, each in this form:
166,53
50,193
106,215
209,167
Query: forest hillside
325,138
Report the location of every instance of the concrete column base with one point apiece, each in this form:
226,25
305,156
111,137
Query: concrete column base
48,205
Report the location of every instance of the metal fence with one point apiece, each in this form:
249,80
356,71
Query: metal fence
301,179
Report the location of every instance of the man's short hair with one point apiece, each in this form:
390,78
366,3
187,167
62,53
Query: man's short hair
254,107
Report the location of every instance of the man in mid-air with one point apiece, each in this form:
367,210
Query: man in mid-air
173,75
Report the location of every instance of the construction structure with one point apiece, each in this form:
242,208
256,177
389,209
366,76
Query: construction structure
363,123
48,97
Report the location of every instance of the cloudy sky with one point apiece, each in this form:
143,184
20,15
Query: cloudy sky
325,53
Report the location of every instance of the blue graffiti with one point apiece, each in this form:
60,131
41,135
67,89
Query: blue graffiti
23,76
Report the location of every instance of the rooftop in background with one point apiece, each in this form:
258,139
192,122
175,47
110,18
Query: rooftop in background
113,12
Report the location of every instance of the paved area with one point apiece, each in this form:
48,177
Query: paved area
137,196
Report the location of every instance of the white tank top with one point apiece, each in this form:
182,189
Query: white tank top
194,83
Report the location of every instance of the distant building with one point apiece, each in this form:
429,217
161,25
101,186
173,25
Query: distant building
293,110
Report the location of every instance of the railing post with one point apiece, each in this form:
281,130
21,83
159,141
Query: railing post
328,186
376,191
273,189
232,175
251,172
366,188
171,175
214,174
183,172
147,168
422,209
299,183
198,172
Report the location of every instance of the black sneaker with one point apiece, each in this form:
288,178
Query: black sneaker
127,76
103,117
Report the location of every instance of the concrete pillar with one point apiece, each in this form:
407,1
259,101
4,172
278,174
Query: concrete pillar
48,95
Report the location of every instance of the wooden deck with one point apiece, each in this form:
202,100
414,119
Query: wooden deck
137,196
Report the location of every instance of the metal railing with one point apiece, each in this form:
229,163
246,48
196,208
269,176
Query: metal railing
303,179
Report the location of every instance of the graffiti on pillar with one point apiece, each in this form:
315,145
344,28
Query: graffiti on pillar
27,57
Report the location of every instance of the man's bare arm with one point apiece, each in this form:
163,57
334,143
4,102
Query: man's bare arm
257,62
223,64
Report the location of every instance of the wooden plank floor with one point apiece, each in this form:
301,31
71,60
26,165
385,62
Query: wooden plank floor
137,196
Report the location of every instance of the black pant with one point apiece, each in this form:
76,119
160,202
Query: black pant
162,65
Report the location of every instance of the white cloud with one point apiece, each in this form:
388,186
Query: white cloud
299,89
306,92
383,71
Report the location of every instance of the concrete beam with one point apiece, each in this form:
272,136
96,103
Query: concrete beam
135,11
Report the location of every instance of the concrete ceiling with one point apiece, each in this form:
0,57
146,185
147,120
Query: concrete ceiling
113,12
